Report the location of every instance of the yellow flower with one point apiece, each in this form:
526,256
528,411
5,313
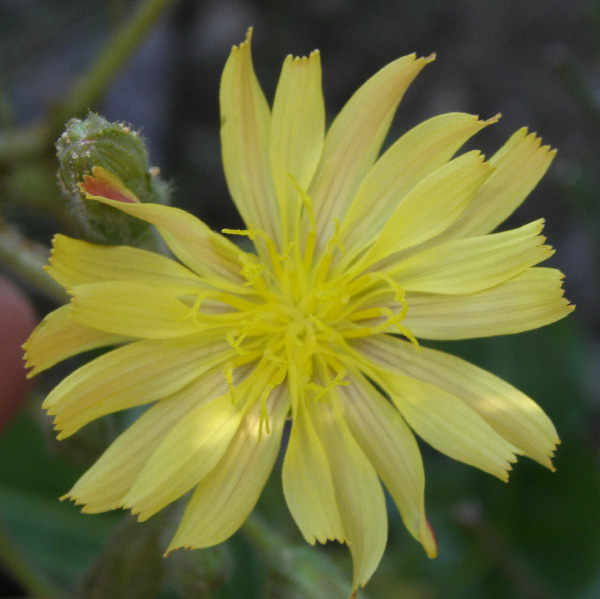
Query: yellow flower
356,257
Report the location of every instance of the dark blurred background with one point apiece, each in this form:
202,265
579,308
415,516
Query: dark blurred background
536,62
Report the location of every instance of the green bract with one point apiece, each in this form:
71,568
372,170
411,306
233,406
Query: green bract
119,149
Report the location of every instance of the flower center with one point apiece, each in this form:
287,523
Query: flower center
295,316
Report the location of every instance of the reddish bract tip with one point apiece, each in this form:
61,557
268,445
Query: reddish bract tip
434,554
103,184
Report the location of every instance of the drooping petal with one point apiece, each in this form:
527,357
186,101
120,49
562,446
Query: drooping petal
297,135
416,154
245,123
392,449
509,412
358,492
200,249
133,375
225,497
355,138
57,338
520,164
190,450
528,301
74,262
106,483
451,426
134,309
473,264
430,206
308,483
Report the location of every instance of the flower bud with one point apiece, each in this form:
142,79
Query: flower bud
115,147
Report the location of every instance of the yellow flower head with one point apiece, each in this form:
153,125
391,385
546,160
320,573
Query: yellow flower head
357,256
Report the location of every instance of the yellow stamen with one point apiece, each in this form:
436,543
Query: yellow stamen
330,295
321,391
311,236
323,267
251,232
228,371
270,355
194,310
366,314
251,270
235,338
399,292
335,239
308,205
235,302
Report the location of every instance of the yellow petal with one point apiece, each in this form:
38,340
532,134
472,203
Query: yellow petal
473,264
225,497
245,122
191,449
392,449
308,484
430,206
509,412
355,138
297,134
451,426
358,492
200,249
57,338
105,484
134,309
520,164
74,262
528,301
415,155
133,375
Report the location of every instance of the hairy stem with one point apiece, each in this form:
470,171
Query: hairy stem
26,260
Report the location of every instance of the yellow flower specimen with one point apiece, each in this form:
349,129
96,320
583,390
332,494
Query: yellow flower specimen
358,257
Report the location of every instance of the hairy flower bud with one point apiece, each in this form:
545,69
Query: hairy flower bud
94,142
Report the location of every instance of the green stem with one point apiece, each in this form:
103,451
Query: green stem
24,574
266,540
27,260
33,140
296,567
119,48
25,143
